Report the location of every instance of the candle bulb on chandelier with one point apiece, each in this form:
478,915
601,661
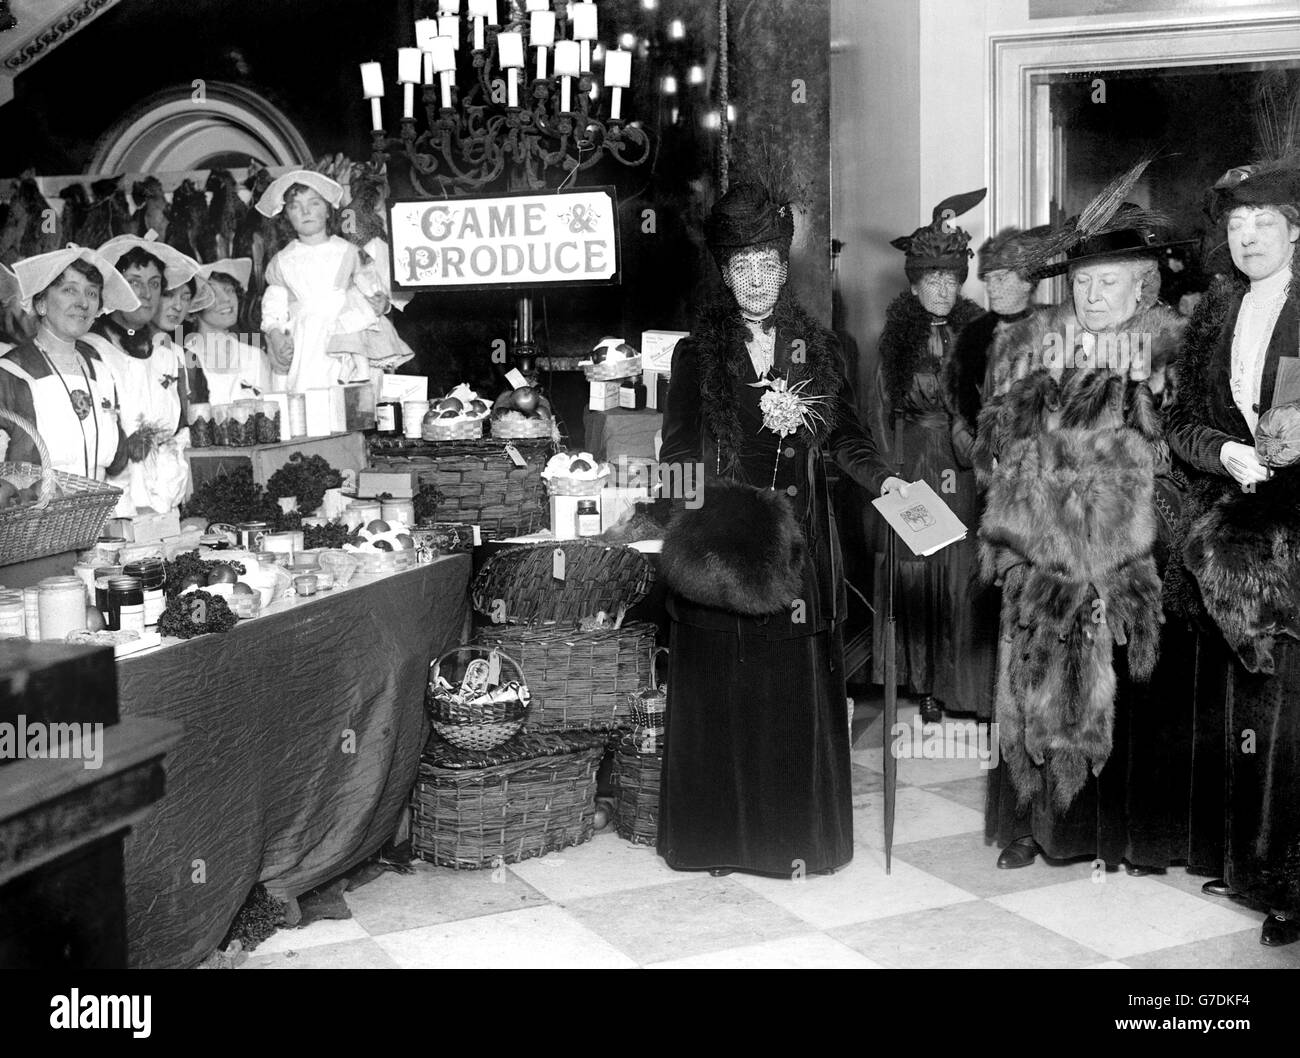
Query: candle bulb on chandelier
539,5
584,30
449,27
408,75
372,88
480,10
618,75
510,51
444,62
567,67
542,35
448,7
425,30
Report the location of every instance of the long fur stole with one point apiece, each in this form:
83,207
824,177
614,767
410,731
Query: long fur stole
1069,452
905,340
741,551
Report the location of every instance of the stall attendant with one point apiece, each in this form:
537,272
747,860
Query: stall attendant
56,380
230,368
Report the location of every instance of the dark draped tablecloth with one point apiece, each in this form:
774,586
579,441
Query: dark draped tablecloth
302,739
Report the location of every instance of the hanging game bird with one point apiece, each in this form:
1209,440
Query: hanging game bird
224,216
189,211
76,210
31,226
258,238
154,214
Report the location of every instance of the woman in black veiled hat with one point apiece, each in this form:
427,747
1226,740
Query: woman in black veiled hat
757,770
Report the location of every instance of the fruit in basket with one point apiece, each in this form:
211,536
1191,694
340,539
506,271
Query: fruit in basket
8,494
449,415
222,574
450,404
526,399
243,589
378,526
406,540
94,619
578,466
381,545
478,407
194,580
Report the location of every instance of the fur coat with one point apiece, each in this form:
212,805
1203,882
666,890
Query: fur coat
1069,445
906,339
1240,549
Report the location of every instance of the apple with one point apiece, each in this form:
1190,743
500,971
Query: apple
406,540
378,526
449,415
526,399
578,466
222,574
382,545
478,407
450,404
243,589
194,580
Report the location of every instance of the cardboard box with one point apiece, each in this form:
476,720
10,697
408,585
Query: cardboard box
564,516
603,396
657,349
147,528
400,484
616,502
320,414
404,387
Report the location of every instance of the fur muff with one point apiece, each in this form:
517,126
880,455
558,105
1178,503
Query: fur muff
1245,556
741,551
1069,450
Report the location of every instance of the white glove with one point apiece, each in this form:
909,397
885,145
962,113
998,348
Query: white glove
894,485
1243,464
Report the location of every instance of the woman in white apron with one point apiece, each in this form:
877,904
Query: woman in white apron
58,381
231,368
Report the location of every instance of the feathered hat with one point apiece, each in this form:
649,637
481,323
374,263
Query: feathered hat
941,244
1011,248
758,211
1106,228
1274,179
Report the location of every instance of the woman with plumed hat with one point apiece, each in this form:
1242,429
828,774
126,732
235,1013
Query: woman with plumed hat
1236,426
55,379
757,772
939,660
1092,701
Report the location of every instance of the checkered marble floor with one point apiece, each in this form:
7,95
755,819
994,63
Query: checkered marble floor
609,903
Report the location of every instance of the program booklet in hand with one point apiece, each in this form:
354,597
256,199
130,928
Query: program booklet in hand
923,521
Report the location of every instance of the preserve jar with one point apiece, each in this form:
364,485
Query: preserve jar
12,622
125,605
32,612
62,605
151,574
102,573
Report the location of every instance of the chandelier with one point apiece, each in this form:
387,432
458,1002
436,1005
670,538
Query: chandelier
525,98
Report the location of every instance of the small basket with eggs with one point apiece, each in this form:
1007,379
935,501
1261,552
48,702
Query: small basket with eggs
611,361
382,547
580,474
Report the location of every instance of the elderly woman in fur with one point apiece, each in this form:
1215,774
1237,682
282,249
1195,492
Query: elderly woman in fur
1070,445
1235,427
756,771
942,657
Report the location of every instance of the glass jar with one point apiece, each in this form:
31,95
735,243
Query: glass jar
125,605
587,519
402,511
62,605
102,573
32,612
388,416
297,416
151,573
413,412
12,621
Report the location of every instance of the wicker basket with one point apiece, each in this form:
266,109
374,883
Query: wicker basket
649,704
479,724
52,524
452,430
637,778
576,486
613,370
527,429
578,678
533,795
477,480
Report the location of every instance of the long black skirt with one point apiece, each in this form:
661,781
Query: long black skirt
1137,808
757,774
1263,766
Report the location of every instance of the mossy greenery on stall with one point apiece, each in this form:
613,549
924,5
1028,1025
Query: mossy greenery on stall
306,478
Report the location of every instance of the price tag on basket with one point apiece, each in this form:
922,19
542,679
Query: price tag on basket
494,668
516,378
557,564
515,457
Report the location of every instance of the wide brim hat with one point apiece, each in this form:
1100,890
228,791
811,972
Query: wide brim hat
240,269
11,292
1274,177
748,216
1136,242
178,268
34,274
941,244
272,200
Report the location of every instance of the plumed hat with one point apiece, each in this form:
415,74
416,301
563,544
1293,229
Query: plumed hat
941,244
1106,228
34,274
272,200
1274,179
1011,248
748,216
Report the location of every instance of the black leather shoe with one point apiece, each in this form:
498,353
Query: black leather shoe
720,872
1218,887
1135,870
931,710
1279,931
1020,853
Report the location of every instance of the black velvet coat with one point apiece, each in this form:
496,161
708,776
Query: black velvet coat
1256,716
757,770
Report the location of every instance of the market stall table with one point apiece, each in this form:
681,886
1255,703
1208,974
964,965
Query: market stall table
302,738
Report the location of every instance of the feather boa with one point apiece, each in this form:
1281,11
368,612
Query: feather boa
720,338
1070,455
906,339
